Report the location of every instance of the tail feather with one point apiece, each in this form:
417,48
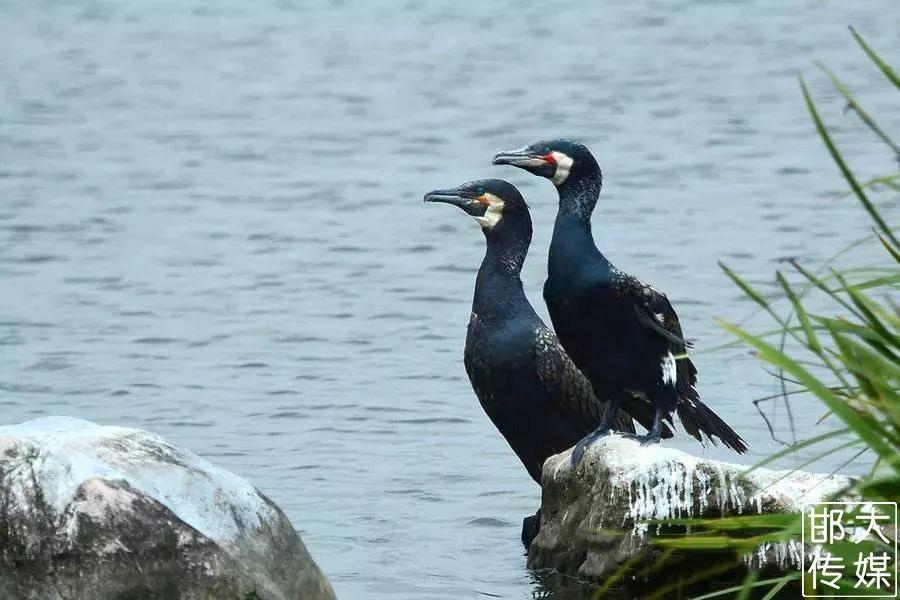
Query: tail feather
698,419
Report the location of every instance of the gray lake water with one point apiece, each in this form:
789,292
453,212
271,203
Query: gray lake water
211,227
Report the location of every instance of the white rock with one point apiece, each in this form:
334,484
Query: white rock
594,517
96,511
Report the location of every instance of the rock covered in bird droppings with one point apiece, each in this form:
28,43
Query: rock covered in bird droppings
90,511
594,517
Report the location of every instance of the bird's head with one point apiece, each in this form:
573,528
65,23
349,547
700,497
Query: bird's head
558,160
496,204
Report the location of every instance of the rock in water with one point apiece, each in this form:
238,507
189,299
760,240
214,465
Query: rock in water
593,517
88,511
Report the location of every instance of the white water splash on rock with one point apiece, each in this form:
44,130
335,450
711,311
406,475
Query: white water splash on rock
665,483
621,486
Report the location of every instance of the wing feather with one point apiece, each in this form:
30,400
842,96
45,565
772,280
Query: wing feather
568,387
657,314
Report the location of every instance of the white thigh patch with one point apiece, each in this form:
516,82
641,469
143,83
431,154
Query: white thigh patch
669,369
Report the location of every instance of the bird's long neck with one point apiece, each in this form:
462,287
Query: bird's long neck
498,287
572,239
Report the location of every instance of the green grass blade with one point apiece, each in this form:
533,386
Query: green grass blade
892,181
729,591
814,460
887,489
745,287
811,338
797,447
845,170
738,523
836,404
860,111
892,250
878,282
882,66
779,586
747,587
816,281
868,310
863,333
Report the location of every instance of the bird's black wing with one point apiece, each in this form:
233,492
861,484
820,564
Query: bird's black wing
656,313
568,387
654,309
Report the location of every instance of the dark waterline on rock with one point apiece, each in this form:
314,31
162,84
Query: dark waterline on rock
211,227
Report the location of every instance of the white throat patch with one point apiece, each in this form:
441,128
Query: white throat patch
494,212
563,166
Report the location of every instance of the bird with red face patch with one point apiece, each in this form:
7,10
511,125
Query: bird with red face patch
622,333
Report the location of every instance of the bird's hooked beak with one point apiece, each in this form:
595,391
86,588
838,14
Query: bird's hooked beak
523,157
529,160
474,205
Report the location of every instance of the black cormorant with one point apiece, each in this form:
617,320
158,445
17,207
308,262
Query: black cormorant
527,385
623,334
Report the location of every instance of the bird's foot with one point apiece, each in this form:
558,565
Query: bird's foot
582,446
650,439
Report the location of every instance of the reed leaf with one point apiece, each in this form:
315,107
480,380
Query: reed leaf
845,170
882,66
833,402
